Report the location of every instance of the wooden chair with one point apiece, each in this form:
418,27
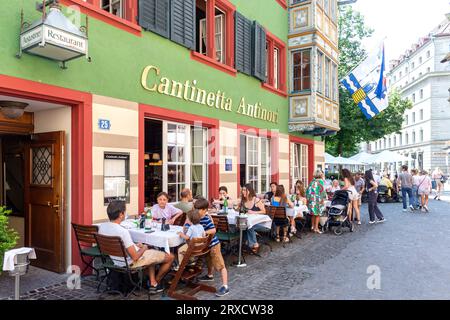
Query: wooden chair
279,217
114,247
229,238
87,245
197,248
180,220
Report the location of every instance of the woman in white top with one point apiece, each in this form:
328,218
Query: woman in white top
437,176
349,184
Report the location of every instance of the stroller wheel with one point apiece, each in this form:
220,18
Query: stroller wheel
338,231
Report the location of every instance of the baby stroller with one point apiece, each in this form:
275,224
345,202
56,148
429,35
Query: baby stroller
337,214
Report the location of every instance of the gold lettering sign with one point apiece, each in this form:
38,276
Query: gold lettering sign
189,91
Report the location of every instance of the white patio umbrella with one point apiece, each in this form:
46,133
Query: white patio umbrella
363,157
388,157
329,159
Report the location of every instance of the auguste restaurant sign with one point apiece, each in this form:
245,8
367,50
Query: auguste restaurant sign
189,91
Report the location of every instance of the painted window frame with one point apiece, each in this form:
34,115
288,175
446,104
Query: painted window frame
302,89
257,182
282,3
210,58
279,87
93,9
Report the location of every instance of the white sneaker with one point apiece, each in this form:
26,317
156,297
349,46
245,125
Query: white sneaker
404,210
426,209
411,208
359,223
381,220
372,222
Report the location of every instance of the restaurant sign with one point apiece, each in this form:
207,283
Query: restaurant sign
190,90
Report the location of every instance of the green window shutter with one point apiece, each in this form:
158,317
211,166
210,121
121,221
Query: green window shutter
154,16
243,44
182,22
259,52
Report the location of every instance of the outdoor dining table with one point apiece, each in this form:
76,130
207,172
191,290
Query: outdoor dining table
297,211
157,238
253,219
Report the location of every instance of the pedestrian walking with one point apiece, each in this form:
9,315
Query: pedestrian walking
372,190
415,189
438,178
406,182
316,196
349,184
424,190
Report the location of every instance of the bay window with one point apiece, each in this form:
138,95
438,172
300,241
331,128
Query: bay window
327,77
301,73
319,72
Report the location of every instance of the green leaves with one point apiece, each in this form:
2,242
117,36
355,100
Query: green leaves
8,237
355,128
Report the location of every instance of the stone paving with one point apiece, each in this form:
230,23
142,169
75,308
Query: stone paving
410,250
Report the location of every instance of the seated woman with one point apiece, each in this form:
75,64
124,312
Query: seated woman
163,209
223,194
299,199
250,203
281,200
385,181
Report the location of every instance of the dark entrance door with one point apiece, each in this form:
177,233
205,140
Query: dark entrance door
45,201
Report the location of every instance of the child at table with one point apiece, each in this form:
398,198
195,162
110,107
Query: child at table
214,259
193,229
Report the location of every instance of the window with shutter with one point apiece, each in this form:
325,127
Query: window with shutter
259,52
154,16
275,65
215,34
243,44
182,22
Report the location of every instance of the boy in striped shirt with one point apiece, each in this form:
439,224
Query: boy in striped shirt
214,259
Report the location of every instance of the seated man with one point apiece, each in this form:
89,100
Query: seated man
185,203
139,255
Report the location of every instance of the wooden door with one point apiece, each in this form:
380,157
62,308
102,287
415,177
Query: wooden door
45,200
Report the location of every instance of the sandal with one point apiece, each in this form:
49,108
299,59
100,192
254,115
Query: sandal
255,250
286,239
277,239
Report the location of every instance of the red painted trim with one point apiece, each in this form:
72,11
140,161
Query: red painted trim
274,90
81,133
274,147
275,42
311,164
210,57
178,116
282,3
213,63
94,10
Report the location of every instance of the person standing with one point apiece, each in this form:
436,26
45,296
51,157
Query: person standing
406,182
372,190
437,177
349,184
415,188
359,186
316,196
424,190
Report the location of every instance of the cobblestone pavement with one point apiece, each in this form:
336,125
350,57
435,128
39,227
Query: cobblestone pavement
410,250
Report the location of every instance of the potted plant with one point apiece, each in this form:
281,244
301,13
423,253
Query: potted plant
8,236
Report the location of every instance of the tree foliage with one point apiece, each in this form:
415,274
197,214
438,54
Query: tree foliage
355,128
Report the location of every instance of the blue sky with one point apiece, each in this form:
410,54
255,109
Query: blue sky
402,22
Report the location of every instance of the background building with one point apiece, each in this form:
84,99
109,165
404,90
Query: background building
420,76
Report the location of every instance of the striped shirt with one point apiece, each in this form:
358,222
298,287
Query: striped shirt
207,224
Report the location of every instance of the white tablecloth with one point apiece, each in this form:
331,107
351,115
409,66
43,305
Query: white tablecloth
253,219
161,239
297,212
